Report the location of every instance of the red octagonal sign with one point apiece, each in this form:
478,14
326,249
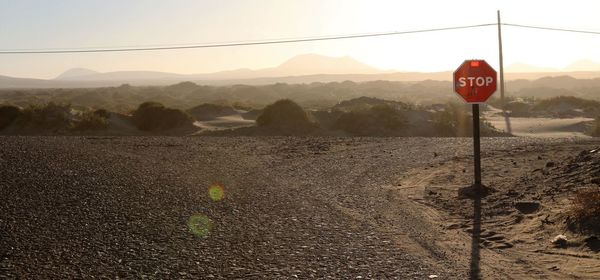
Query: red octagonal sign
475,81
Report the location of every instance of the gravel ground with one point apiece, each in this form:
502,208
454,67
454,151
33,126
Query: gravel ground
108,207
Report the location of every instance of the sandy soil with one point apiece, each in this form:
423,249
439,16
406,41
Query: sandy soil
539,127
225,122
293,207
529,204
543,127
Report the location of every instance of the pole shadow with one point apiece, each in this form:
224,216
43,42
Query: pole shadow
476,236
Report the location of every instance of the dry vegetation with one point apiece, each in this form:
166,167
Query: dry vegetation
8,114
153,116
555,107
91,120
285,115
585,207
377,120
307,109
363,116
595,128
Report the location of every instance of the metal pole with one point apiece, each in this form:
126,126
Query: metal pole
502,100
476,148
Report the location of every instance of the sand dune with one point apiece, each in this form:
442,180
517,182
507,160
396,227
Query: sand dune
225,122
540,127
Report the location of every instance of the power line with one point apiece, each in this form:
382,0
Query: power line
236,44
551,28
274,41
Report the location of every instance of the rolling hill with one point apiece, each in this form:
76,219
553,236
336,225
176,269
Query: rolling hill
307,68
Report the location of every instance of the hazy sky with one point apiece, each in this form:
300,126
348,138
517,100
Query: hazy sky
28,24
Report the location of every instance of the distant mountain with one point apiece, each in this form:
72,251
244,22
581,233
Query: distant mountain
583,65
307,68
308,64
526,68
128,76
11,82
76,73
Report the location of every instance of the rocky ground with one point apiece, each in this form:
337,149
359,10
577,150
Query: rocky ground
293,207
529,202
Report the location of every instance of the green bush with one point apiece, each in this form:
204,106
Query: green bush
566,106
519,109
49,116
595,129
327,118
8,114
89,120
379,120
285,114
455,120
102,113
153,116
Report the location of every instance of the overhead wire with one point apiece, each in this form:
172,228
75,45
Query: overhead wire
273,41
552,28
236,44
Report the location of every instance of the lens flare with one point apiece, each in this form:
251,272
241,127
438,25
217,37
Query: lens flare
216,192
200,225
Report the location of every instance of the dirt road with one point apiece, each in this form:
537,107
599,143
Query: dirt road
139,207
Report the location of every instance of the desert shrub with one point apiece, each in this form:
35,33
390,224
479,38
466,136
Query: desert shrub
242,106
284,114
102,113
565,106
327,118
379,120
89,120
8,114
49,116
585,208
153,116
182,87
594,130
519,109
365,103
455,120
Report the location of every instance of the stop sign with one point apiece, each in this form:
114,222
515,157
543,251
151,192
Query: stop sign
475,81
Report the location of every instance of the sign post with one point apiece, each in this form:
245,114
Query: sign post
476,146
475,82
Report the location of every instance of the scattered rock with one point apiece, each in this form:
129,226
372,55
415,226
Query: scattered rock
560,240
512,193
550,164
503,245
